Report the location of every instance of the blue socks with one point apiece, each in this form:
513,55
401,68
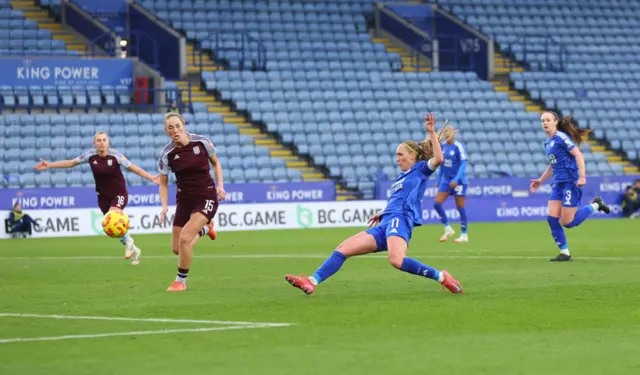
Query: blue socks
123,239
558,233
463,220
337,259
329,267
443,217
414,267
581,215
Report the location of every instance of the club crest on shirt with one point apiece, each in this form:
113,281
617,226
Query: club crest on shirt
196,150
109,162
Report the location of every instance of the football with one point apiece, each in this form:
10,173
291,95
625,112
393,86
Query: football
115,224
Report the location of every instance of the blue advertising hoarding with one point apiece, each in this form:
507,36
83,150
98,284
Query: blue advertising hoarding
85,197
66,71
508,199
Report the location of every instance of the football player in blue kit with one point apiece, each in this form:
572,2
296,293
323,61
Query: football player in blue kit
452,180
566,165
391,229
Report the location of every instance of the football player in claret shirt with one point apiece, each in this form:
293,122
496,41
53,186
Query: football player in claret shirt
188,156
111,187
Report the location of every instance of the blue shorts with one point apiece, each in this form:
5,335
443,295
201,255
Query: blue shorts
567,192
459,191
391,225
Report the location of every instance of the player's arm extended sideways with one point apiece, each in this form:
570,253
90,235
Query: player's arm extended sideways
63,164
141,172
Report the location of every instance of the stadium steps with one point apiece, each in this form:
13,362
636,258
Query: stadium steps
197,94
504,65
611,156
45,21
193,61
502,85
404,55
260,137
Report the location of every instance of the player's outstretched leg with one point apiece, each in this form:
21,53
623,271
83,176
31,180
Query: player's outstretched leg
597,204
326,270
361,243
398,259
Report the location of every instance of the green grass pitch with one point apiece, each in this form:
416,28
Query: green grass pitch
519,314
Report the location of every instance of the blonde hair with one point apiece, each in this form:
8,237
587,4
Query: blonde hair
173,114
100,133
424,149
447,132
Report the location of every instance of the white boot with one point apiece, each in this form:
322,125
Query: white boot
129,247
136,256
448,231
463,238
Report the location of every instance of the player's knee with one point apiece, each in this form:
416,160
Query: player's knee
185,240
396,260
344,250
566,222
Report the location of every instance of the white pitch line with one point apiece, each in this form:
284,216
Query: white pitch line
324,256
132,333
150,320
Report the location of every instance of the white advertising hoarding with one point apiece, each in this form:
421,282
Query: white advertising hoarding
230,217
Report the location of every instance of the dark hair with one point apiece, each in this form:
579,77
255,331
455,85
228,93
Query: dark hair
423,150
570,126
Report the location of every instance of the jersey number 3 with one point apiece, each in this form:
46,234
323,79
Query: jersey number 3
567,197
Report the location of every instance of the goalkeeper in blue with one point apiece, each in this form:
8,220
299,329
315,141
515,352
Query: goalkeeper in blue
452,180
391,229
566,165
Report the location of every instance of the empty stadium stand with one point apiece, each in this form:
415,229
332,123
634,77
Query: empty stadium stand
20,36
26,138
332,99
600,74
341,98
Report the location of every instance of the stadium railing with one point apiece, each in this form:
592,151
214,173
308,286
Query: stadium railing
115,98
555,53
251,53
